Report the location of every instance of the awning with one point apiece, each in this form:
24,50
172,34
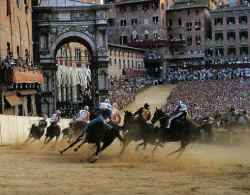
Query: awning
13,100
28,92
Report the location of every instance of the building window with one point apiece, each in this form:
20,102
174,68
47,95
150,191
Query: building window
218,21
134,21
111,21
134,37
243,50
145,6
231,51
197,24
123,9
189,40
243,34
243,19
146,36
123,40
154,5
219,52
197,12
218,36
133,7
198,40
155,19
230,20
179,23
162,5
155,35
230,35
189,25
110,61
169,23
123,22
188,13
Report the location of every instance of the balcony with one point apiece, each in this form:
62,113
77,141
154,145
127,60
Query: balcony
230,26
243,41
208,43
219,42
243,25
184,56
132,72
218,27
231,41
152,60
156,42
17,76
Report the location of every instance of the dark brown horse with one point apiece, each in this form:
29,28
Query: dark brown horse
137,131
184,131
36,132
53,130
74,130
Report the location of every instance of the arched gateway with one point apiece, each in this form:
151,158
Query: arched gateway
56,23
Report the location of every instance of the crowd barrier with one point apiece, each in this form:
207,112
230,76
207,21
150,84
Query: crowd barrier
15,130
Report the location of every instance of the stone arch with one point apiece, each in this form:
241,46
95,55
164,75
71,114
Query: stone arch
76,36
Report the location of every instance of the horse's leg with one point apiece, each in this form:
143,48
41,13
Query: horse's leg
181,150
32,141
75,150
95,155
71,145
137,147
156,145
124,145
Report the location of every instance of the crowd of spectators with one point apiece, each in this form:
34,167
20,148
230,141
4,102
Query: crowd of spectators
204,97
207,74
19,64
122,91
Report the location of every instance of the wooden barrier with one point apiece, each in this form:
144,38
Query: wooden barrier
15,129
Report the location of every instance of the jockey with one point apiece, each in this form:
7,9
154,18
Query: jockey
43,123
143,113
180,111
55,118
116,114
84,115
105,112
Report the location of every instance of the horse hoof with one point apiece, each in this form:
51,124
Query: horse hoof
93,160
75,150
61,152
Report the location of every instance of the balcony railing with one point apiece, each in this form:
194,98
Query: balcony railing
208,42
184,56
243,26
141,43
218,27
219,42
231,41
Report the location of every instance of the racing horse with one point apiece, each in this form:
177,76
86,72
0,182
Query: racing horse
36,132
97,134
74,130
184,131
136,131
54,130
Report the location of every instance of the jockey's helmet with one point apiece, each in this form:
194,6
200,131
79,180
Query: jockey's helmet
179,102
58,112
86,108
106,101
146,105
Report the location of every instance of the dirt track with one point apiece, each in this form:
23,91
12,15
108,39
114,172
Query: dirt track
204,168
